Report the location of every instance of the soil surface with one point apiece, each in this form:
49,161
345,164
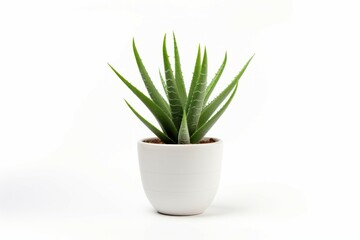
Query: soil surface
158,141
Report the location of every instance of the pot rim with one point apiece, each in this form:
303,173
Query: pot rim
174,145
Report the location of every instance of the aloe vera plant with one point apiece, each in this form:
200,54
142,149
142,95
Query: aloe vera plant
184,117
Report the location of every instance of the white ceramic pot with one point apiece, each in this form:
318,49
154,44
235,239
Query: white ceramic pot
180,179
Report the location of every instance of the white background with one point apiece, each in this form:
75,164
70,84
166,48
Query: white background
68,164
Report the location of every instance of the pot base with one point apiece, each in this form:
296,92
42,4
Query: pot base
180,215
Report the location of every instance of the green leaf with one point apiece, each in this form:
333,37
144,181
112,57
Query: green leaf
213,82
195,78
153,92
174,98
178,75
156,131
164,84
200,132
213,105
184,136
197,99
164,120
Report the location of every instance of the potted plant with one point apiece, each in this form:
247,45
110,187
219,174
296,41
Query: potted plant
180,167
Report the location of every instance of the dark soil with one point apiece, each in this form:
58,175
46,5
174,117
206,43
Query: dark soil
158,141
154,140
